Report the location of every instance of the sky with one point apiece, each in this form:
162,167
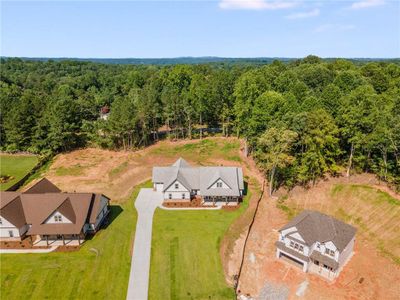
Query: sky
225,28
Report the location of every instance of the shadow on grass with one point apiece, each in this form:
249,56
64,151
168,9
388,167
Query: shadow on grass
115,211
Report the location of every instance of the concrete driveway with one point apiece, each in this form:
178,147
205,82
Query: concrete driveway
146,203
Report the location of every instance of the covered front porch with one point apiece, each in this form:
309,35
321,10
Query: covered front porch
221,200
59,240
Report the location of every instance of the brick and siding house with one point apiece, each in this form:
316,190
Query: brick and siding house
44,212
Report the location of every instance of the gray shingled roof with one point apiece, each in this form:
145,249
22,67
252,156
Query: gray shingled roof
314,226
201,178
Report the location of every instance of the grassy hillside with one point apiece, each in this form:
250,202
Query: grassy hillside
16,166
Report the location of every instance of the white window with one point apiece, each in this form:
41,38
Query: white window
292,244
329,252
176,186
183,196
219,184
11,233
296,246
170,196
1,221
301,248
57,218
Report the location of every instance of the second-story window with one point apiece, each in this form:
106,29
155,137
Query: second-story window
329,252
176,185
57,218
1,221
219,184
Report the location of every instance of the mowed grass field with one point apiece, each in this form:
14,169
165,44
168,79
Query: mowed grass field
16,166
185,258
99,270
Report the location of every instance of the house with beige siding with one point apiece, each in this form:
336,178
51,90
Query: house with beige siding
316,243
45,212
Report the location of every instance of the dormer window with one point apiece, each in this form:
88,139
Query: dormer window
329,252
176,185
57,218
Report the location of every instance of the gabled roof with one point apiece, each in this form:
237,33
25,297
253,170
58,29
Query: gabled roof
95,207
217,176
181,163
13,212
67,210
7,197
314,226
43,186
74,206
200,178
39,202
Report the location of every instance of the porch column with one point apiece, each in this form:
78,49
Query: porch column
47,240
63,239
79,239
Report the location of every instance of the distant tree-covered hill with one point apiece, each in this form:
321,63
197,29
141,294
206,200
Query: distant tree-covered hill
193,60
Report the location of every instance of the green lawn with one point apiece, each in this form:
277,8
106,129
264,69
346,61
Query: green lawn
16,166
185,258
76,275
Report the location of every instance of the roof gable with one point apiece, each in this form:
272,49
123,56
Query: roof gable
181,163
67,210
314,226
43,186
217,176
13,212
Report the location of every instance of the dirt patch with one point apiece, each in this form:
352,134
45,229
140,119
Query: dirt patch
368,275
115,173
231,249
26,243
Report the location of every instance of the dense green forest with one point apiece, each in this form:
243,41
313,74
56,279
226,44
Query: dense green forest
302,119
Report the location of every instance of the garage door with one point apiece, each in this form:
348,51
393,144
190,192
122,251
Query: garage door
291,260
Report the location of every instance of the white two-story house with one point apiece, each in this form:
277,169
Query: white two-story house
317,243
214,185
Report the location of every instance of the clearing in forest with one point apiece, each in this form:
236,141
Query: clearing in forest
184,243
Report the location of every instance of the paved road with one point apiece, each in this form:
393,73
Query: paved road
146,202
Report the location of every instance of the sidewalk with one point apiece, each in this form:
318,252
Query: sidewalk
17,251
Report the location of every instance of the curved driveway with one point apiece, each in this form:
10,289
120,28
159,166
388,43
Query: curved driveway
146,203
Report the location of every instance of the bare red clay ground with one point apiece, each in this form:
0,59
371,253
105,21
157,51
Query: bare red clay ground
116,173
379,275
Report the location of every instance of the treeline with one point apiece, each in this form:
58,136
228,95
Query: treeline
302,119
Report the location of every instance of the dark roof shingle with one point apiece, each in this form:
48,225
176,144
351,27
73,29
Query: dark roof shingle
315,226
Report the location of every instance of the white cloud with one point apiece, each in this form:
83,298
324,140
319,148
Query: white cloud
256,4
366,3
334,27
302,15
